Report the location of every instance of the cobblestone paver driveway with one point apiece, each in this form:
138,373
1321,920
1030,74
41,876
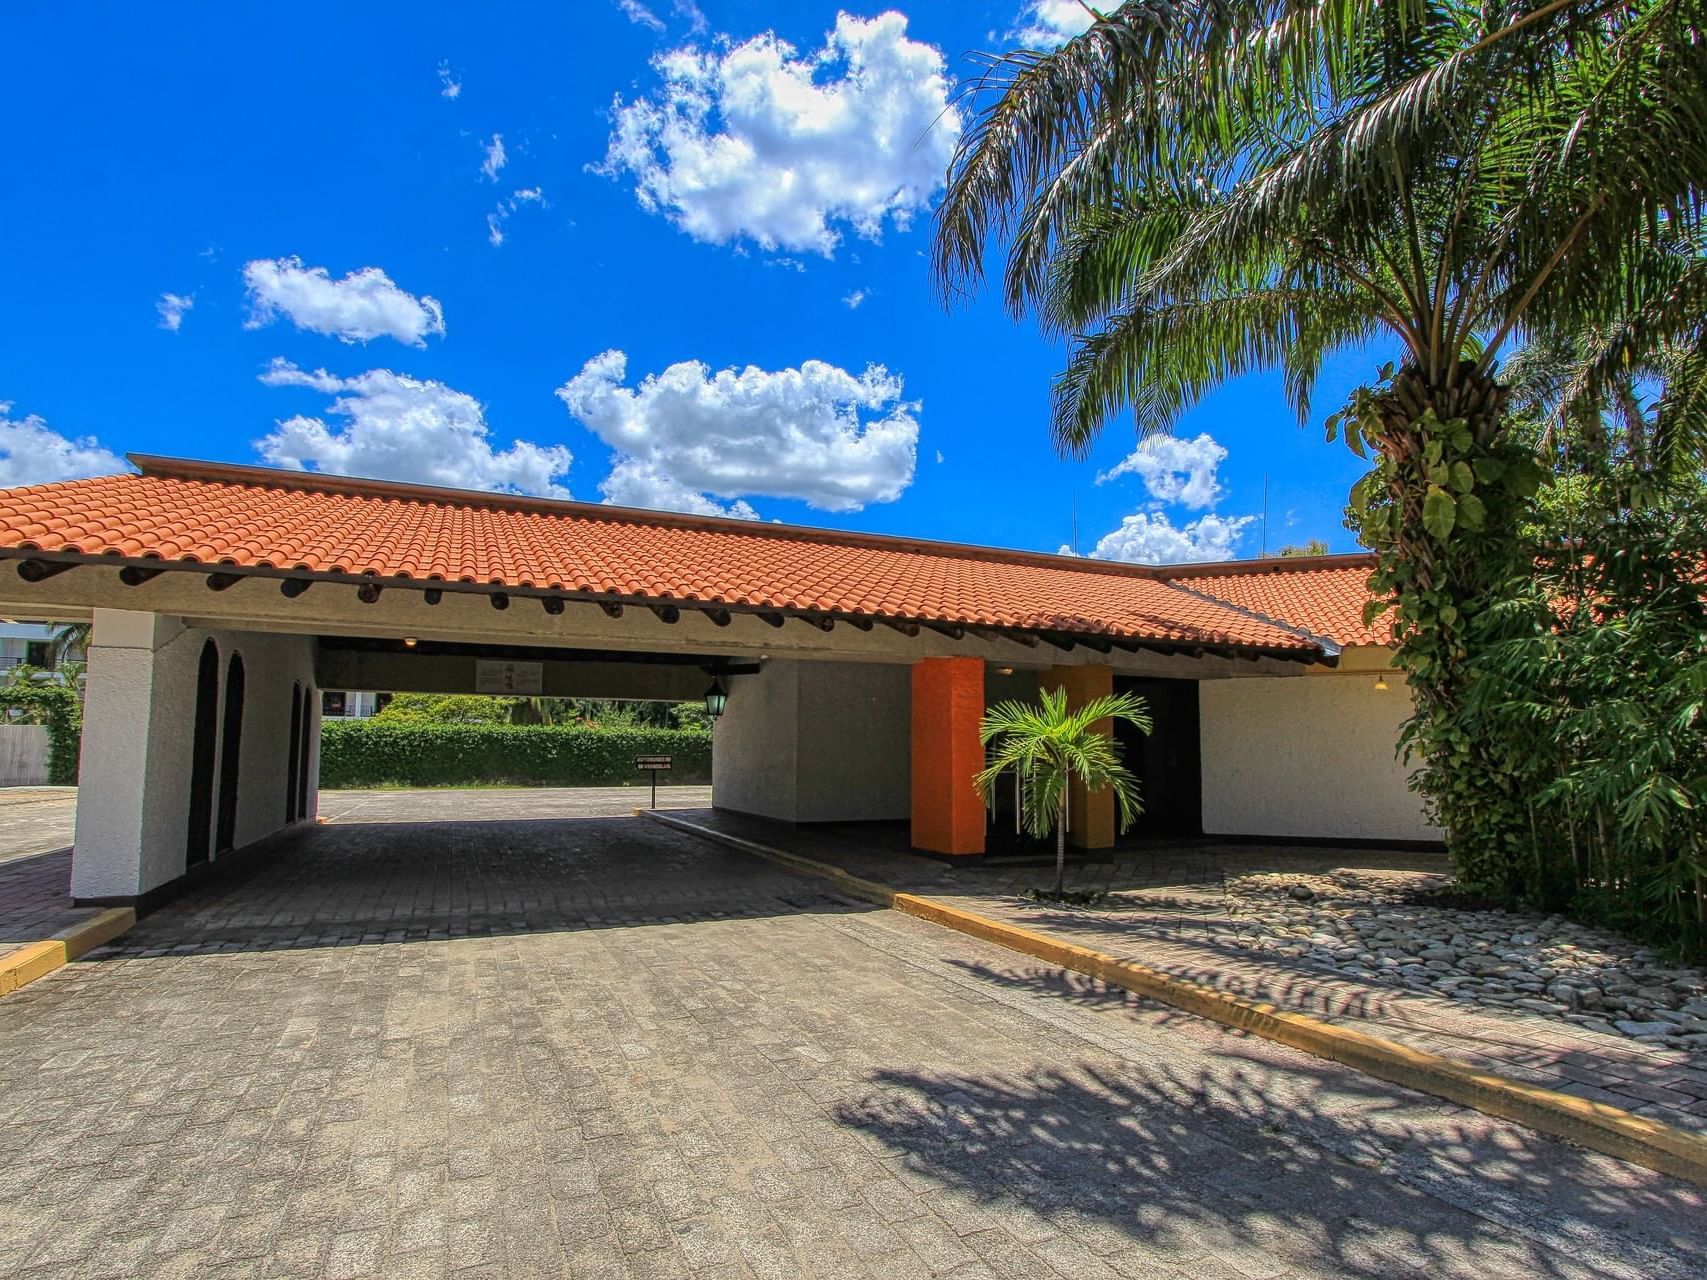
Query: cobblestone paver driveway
592,1047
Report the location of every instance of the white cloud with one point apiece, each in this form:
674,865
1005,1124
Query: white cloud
495,158
852,300
1178,472
758,141
364,305
32,453
817,433
1151,538
498,217
401,428
1175,470
449,85
639,14
1044,24
634,483
172,307
689,10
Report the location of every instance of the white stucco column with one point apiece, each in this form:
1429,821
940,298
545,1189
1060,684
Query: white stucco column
127,766
815,742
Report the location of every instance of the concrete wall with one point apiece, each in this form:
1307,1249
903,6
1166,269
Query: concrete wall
755,765
24,750
855,725
815,742
1311,756
133,803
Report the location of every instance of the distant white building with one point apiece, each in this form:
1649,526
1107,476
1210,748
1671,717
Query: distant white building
339,705
31,643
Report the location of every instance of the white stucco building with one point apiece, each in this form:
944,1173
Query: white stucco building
227,600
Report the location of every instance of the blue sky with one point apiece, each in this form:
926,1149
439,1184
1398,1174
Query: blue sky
663,253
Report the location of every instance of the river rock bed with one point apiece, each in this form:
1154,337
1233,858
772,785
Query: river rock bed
1370,926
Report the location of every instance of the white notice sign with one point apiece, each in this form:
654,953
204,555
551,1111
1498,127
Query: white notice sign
508,677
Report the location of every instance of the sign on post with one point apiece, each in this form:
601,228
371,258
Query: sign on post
508,677
653,766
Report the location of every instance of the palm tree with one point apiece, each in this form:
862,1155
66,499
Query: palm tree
1051,747
72,637
1192,191
1602,406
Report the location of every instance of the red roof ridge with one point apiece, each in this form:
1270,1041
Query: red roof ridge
1267,564
1329,644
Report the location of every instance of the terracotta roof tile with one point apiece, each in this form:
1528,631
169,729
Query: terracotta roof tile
1325,601
210,513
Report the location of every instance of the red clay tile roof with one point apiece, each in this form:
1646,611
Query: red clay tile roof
1325,599
246,516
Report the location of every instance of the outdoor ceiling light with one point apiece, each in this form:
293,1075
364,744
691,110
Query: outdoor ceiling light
716,698
1381,684
409,642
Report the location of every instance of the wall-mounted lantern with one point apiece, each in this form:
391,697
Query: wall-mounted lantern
716,698
1380,684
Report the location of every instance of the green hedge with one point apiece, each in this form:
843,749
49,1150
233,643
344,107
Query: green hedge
61,710
377,753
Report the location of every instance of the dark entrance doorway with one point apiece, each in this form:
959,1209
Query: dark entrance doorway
230,755
201,756
1002,832
1167,760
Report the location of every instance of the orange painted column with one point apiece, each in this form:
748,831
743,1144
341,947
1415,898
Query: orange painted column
1090,818
948,703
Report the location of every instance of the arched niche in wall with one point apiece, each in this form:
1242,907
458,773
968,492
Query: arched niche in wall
293,772
204,742
230,755
305,752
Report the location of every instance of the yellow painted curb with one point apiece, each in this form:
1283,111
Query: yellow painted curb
1610,1130
41,958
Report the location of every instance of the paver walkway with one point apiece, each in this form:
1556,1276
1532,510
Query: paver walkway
36,825
500,804
35,865
35,820
1168,931
601,1048
35,899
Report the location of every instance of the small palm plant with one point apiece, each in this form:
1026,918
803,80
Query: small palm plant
1051,747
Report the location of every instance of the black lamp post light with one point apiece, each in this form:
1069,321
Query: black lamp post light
716,698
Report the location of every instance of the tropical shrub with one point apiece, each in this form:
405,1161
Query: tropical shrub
1591,676
1052,747
447,708
58,708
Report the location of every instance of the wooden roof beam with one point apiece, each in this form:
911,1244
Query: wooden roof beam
42,570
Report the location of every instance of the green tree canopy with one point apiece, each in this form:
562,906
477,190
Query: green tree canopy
1192,191
448,708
